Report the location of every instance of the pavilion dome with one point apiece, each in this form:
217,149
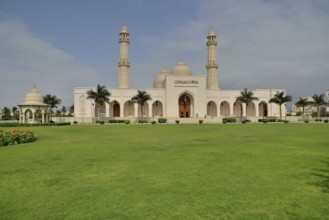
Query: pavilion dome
33,97
159,80
181,69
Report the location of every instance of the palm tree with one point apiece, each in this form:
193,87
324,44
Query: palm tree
318,100
141,98
302,102
63,110
246,97
100,96
280,98
53,101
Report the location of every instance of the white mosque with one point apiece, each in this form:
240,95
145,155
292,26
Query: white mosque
176,94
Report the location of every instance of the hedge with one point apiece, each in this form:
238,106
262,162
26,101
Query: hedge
113,121
16,124
229,120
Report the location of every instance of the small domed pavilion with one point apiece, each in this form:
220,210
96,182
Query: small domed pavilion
34,105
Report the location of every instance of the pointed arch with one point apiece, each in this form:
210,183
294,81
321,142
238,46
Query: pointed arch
211,109
129,109
82,104
263,109
185,105
237,109
157,108
224,108
115,108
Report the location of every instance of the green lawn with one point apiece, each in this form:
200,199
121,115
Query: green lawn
263,171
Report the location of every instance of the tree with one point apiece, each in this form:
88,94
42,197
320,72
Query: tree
302,102
280,98
141,98
53,101
63,110
5,114
100,96
15,113
71,109
246,97
318,100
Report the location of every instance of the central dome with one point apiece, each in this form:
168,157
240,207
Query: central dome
33,97
181,69
159,80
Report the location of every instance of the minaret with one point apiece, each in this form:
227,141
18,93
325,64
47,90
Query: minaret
212,66
124,64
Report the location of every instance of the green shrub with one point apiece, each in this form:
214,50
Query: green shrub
229,120
325,121
307,121
113,121
245,121
16,124
284,121
177,121
315,114
100,122
153,122
142,122
16,137
127,122
75,122
162,120
200,121
318,119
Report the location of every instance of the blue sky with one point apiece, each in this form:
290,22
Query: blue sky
59,45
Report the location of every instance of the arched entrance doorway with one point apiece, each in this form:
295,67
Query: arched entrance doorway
116,109
184,103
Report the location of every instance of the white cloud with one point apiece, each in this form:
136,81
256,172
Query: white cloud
26,59
262,44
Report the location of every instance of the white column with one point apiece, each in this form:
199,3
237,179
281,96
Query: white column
23,116
136,109
33,117
150,109
244,110
20,116
121,109
43,117
257,109
231,109
107,109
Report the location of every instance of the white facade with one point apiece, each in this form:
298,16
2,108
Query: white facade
176,94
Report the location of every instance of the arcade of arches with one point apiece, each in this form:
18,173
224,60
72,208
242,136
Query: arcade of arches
185,108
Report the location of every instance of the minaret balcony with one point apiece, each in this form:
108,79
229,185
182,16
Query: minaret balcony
127,64
126,40
213,65
211,43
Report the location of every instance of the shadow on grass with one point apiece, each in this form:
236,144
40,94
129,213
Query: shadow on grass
324,174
